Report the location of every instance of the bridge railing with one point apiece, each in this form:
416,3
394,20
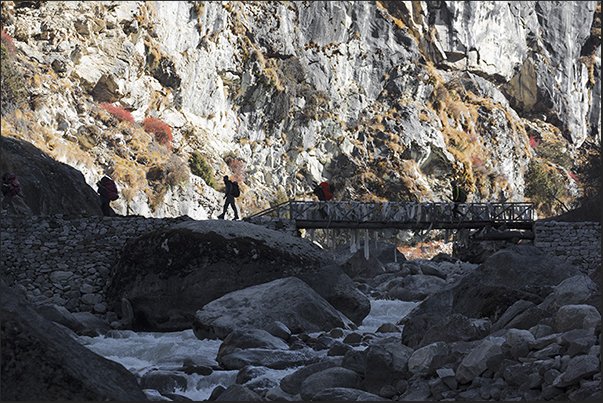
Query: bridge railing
403,215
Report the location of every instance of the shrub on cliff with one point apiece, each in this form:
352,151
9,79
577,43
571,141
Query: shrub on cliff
201,168
544,187
161,131
7,41
117,111
12,85
237,167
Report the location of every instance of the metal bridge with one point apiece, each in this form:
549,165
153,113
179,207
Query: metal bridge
401,215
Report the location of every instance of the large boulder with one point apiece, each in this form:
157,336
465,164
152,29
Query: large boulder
288,300
518,272
168,275
579,289
241,339
386,363
331,283
47,186
42,361
514,273
292,382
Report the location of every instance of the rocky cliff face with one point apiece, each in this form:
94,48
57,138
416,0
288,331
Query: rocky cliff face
388,100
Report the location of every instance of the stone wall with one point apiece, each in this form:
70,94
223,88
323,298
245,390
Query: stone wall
578,243
68,260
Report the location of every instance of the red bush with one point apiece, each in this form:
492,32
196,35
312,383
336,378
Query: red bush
238,169
117,111
534,142
7,40
161,131
479,166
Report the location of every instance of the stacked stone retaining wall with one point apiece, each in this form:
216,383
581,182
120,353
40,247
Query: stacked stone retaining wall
578,243
67,261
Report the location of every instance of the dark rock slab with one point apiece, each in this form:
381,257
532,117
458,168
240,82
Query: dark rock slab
41,360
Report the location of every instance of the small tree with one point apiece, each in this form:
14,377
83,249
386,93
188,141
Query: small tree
161,131
12,85
544,187
201,168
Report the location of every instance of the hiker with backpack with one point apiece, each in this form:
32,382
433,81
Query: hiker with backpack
323,191
107,191
231,190
459,195
12,196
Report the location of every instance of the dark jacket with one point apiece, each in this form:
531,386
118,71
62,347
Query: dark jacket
459,195
228,188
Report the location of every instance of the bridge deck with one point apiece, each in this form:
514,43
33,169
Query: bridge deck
402,215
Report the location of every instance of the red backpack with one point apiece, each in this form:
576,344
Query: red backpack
327,190
111,189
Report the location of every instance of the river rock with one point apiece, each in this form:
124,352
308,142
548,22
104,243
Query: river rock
386,363
241,339
291,383
577,317
275,359
288,300
346,394
415,287
329,378
429,358
236,393
521,315
475,363
578,289
581,367
457,327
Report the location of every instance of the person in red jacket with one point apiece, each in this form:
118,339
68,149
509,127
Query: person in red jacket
323,191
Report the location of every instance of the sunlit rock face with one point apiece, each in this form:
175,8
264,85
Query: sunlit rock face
390,99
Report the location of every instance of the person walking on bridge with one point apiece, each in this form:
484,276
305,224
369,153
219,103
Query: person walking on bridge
231,190
324,191
459,195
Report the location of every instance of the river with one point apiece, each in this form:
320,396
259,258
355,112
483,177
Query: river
140,352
